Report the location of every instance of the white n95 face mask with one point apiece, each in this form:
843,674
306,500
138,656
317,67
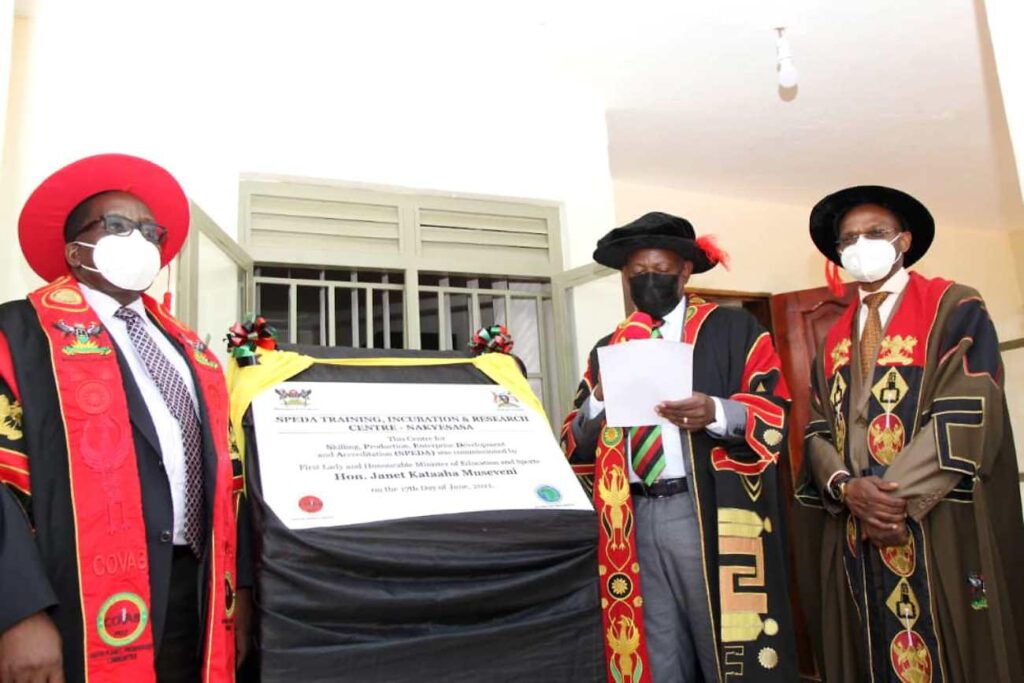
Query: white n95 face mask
127,261
869,260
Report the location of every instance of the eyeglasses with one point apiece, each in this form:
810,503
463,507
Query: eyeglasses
872,234
121,226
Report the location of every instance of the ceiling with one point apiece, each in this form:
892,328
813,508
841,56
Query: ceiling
900,93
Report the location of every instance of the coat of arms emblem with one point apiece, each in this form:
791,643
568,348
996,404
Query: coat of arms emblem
83,339
294,397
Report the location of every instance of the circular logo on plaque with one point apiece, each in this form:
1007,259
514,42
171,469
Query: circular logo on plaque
122,619
549,494
310,504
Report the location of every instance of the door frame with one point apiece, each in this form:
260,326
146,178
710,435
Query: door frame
186,283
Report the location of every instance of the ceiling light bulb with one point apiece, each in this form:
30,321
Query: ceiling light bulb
788,76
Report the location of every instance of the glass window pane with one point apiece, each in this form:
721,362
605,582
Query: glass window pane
429,320
345,307
523,326
388,320
459,281
311,321
430,279
272,304
459,321
305,273
489,282
444,280
271,271
392,277
336,274
492,311
345,275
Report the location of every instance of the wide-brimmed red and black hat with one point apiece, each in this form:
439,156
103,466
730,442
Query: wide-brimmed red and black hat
826,215
41,225
657,230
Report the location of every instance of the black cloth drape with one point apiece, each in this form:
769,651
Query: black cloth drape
494,596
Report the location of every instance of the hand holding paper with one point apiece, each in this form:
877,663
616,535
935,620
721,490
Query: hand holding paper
692,414
638,375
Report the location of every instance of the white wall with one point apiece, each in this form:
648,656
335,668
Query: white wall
371,94
13,271
313,89
1005,24
6,33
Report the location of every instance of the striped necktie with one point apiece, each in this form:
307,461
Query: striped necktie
645,442
183,408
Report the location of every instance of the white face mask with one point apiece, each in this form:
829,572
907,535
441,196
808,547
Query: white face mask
126,261
869,260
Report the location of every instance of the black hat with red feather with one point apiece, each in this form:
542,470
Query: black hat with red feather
657,230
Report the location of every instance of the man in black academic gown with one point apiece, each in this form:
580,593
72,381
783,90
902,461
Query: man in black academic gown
691,551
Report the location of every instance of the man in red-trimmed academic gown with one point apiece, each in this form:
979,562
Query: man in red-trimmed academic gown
691,552
122,557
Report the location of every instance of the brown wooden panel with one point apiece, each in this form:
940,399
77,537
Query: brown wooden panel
801,320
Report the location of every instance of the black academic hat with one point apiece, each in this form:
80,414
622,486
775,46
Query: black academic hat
657,230
827,213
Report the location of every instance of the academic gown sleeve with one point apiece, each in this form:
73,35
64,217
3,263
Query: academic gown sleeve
24,586
580,431
244,557
245,551
762,400
822,459
966,413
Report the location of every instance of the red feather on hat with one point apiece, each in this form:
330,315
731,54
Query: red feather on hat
709,245
835,285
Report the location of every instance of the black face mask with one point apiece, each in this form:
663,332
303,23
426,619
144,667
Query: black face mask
655,293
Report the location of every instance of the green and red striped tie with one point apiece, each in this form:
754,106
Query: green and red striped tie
648,453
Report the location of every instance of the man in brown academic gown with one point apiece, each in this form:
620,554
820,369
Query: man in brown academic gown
909,482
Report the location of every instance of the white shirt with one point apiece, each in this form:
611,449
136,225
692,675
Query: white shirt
671,439
167,430
895,286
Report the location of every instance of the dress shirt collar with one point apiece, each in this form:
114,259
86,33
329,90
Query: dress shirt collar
894,285
676,315
105,305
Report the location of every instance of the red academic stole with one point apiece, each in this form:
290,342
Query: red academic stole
906,338
110,531
625,643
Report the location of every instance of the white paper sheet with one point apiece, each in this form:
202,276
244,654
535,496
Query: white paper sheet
638,375
338,453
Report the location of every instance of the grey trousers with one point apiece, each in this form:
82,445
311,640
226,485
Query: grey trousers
680,640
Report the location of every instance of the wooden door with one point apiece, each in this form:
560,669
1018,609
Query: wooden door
800,321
